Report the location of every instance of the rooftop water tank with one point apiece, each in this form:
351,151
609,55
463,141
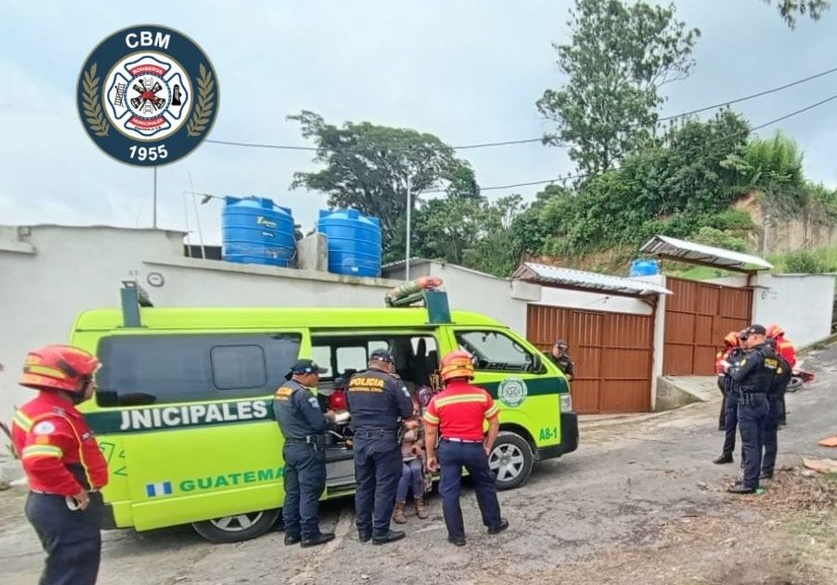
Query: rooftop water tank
257,231
354,242
644,268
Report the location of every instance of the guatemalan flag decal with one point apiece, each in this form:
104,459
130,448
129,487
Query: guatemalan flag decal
158,489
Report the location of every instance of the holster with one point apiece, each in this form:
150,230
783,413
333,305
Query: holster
318,441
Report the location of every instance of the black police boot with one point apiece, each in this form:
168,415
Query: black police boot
391,536
364,536
722,459
740,488
456,541
499,528
766,475
289,540
321,538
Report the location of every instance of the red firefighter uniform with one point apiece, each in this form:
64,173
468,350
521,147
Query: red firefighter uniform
63,463
56,447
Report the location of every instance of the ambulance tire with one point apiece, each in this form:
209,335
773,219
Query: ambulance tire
238,527
511,460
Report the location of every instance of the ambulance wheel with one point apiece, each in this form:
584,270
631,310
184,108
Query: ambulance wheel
511,460
238,527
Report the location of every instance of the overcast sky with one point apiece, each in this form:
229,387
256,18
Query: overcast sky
468,71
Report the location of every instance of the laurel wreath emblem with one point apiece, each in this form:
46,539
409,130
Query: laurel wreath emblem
95,117
205,105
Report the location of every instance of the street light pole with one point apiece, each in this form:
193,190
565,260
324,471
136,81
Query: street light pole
409,227
154,201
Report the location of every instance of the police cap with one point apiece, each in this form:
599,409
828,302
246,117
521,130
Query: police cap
756,330
305,366
382,355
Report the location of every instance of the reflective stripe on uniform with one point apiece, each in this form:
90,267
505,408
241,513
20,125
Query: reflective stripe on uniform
430,418
491,412
23,421
42,451
459,398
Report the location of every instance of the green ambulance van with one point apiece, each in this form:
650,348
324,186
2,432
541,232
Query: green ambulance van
184,415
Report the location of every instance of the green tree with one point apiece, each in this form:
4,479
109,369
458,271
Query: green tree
367,168
789,10
617,59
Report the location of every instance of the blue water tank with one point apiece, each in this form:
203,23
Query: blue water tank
354,242
644,268
257,231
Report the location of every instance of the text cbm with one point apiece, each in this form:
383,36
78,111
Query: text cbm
146,38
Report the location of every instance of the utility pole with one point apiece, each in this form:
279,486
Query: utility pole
154,201
409,228
765,235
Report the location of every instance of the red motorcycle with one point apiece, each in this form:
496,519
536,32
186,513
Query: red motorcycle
799,378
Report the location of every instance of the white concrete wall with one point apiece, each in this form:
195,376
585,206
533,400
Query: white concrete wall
48,274
801,303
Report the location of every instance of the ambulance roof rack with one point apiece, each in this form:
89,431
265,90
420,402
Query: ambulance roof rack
133,297
422,291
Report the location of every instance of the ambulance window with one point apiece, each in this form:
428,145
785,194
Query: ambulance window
238,366
163,369
493,350
321,354
351,358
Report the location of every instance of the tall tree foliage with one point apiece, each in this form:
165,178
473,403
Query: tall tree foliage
790,10
617,59
675,188
367,167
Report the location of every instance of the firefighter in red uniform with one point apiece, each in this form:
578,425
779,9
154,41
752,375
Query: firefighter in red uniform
459,412
730,343
788,352
63,463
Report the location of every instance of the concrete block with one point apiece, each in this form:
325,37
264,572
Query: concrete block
671,395
312,252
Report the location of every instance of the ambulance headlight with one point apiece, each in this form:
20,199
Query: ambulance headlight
566,402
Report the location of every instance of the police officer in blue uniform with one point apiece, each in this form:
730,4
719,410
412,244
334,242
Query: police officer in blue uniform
776,409
377,401
754,379
736,354
302,423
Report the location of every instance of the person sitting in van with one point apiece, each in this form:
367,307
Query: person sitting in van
412,473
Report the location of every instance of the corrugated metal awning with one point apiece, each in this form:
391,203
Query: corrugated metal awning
691,252
586,281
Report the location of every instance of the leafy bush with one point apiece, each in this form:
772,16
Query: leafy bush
804,261
714,237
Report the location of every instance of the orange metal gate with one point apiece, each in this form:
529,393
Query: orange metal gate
613,354
698,316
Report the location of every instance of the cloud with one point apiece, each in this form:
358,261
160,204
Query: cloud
467,71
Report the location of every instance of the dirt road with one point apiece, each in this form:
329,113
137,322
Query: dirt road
638,503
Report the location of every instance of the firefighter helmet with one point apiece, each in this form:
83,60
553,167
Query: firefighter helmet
59,367
775,331
457,364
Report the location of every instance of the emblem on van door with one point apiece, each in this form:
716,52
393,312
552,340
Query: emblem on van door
512,392
147,95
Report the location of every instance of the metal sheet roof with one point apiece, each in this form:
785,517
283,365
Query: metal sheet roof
588,281
685,251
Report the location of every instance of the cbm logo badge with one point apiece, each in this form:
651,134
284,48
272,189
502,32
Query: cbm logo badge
147,95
